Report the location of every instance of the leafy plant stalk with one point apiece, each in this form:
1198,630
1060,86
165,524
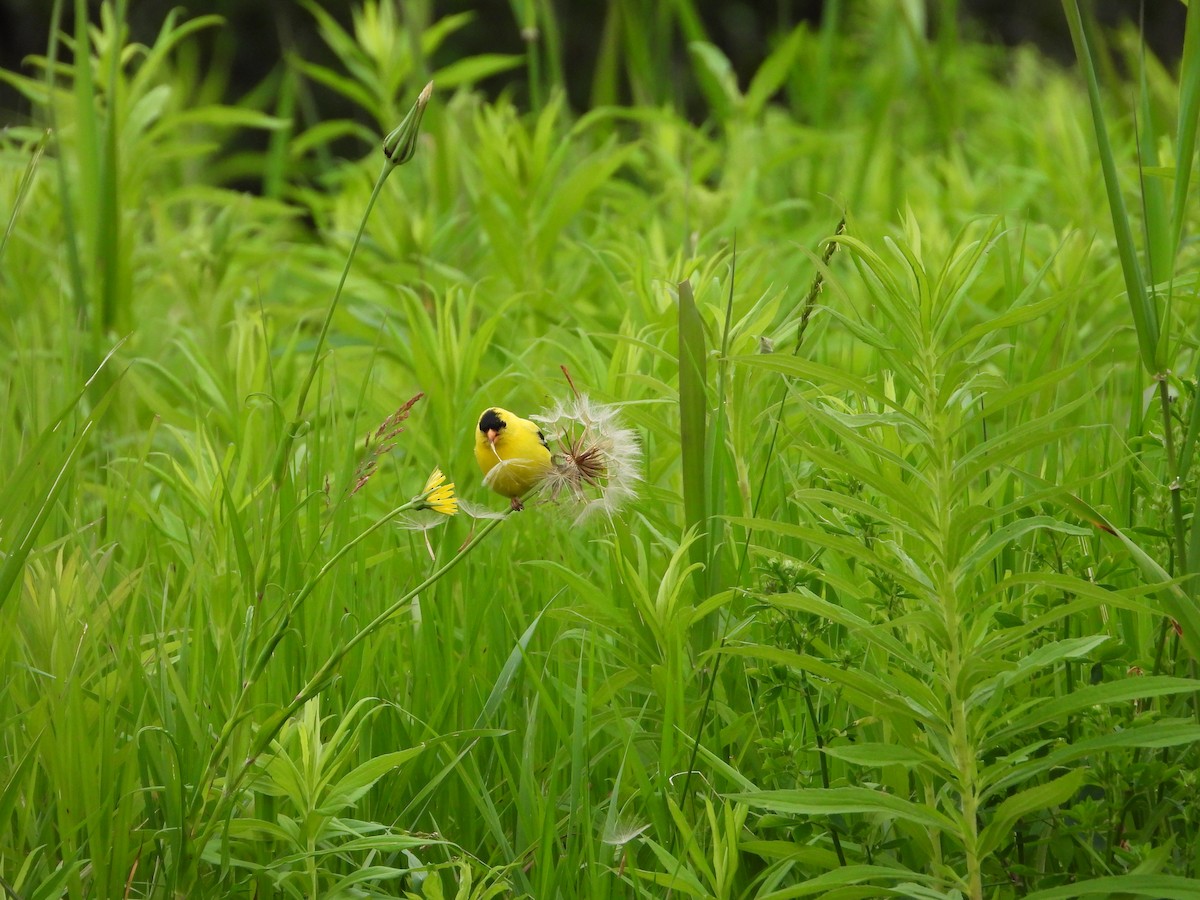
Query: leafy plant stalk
317,682
806,309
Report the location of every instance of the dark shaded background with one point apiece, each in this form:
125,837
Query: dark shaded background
260,29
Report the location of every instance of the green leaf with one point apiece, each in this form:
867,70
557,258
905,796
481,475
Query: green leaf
1141,303
347,87
1189,120
839,877
842,801
1161,887
1004,774
774,71
676,876
693,431
359,780
995,542
367,873
714,74
508,671
870,693
572,193
1175,600
56,885
1030,800
16,780
1043,656
1135,687
23,189
878,755
806,601
21,542
475,68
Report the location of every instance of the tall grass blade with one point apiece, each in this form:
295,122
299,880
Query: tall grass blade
1141,302
693,428
1189,121
23,539
1176,602
23,190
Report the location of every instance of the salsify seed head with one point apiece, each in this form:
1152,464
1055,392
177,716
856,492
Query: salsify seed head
597,463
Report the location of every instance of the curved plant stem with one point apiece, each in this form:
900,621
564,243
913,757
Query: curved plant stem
315,684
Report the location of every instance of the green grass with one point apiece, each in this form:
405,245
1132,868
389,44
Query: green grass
905,605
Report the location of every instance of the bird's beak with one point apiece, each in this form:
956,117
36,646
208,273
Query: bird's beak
492,434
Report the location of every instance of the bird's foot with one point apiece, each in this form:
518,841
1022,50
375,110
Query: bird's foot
517,505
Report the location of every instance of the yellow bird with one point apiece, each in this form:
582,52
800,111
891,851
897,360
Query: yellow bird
512,453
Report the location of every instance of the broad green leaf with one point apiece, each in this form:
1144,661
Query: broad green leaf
475,68
325,133
365,874
844,800
840,877
56,885
1005,774
774,71
347,87
714,74
435,35
992,544
1031,800
1044,710
1160,887
1043,656
877,755
871,693
675,875
1175,600
817,373
807,601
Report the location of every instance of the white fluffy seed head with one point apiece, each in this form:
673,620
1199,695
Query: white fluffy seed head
598,463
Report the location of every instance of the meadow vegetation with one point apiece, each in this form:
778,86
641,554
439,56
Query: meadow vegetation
905,604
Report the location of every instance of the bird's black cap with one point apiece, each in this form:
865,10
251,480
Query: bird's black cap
491,421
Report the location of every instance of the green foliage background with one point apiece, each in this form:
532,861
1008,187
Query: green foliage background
905,606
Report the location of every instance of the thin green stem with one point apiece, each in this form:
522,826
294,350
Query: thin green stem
398,148
320,679
293,428
824,763
1175,486
268,650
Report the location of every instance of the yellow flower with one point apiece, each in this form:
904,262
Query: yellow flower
438,495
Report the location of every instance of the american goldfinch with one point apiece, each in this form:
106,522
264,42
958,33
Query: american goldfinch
512,453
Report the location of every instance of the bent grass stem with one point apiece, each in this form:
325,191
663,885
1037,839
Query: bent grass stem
315,684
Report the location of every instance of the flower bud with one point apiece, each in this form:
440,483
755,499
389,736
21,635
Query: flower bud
401,144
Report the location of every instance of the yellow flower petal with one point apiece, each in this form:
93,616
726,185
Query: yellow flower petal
438,495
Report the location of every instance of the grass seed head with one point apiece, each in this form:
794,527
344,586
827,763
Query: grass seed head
380,443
